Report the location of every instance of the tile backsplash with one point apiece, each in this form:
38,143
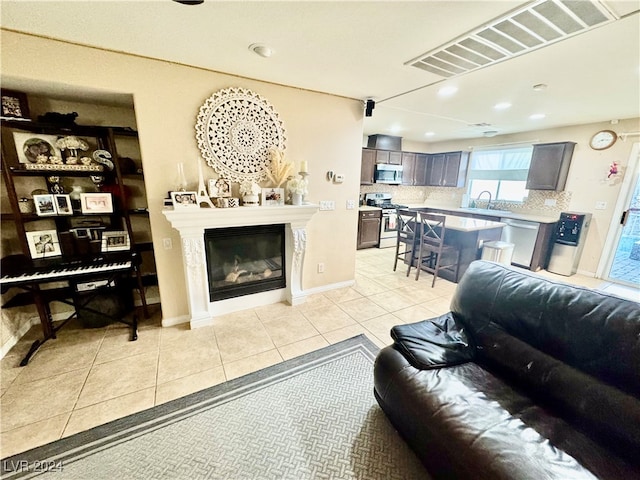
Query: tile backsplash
535,203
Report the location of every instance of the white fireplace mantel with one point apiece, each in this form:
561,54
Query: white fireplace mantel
191,223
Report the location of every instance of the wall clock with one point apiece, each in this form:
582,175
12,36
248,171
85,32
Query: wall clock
603,139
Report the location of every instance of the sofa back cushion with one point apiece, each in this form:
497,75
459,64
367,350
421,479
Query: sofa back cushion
591,331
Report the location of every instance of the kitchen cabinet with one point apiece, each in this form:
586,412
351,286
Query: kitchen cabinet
388,156
367,169
550,166
369,228
421,169
408,168
447,169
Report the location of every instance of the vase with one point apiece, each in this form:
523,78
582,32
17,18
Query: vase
251,200
296,199
181,180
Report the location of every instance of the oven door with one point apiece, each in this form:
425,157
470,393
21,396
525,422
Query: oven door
388,230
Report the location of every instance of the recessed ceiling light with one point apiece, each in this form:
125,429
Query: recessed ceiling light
537,116
261,49
447,91
540,87
502,106
429,134
189,2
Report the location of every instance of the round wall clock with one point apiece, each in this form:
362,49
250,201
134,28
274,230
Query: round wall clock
603,139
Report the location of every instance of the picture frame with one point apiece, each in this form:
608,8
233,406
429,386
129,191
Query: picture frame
80,232
29,145
91,203
272,196
43,243
115,241
15,105
183,200
63,204
223,187
45,205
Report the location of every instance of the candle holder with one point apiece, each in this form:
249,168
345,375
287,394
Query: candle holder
304,176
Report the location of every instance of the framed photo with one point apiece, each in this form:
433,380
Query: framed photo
115,241
45,205
223,187
63,204
184,200
43,243
80,232
30,145
272,196
15,105
96,203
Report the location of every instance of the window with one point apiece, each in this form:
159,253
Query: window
501,172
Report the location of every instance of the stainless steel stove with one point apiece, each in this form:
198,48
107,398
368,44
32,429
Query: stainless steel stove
388,225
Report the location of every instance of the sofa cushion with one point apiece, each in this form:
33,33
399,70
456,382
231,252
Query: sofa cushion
433,343
464,422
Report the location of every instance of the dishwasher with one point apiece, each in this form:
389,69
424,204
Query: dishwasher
523,235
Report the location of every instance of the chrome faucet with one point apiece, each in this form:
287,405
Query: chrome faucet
489,202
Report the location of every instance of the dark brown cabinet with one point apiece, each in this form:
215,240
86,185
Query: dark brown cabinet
550,166
421,170
447,169
369,228
368,166
408,168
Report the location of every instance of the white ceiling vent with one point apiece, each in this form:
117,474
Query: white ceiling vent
537,25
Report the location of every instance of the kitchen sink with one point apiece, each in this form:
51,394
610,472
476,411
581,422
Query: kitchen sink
484,211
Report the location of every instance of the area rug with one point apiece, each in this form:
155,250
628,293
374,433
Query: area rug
312,417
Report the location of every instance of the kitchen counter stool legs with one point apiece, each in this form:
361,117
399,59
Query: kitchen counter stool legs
433,251
408,230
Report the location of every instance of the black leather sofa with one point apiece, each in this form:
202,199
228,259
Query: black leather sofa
525,378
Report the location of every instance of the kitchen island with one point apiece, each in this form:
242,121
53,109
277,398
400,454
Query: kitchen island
468,236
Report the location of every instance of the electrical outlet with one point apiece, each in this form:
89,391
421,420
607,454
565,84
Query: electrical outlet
320,267
167,243
351,204
327,205
601,205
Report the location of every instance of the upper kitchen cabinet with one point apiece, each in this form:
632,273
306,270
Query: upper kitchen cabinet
447,169
367,169
420,170
550,166
408,168
388,156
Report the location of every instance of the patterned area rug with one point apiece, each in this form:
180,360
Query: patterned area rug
312,417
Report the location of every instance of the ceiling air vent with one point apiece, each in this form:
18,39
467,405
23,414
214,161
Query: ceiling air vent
539,24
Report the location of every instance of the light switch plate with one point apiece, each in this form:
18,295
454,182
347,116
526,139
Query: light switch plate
601,205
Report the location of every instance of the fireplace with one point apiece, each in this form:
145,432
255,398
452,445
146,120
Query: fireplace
244,260
192,225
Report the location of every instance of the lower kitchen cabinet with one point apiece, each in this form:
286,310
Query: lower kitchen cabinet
369,228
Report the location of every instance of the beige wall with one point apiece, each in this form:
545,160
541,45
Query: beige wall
325,130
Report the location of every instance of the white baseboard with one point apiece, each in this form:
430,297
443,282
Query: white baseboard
331,286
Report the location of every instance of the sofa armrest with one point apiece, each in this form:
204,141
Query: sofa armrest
434,343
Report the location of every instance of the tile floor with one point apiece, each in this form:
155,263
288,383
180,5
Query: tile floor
88,377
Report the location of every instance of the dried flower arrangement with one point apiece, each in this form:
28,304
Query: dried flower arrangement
279,170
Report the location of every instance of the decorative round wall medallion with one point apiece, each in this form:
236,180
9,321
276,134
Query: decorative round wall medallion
235,130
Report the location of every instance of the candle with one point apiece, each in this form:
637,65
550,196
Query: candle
303,166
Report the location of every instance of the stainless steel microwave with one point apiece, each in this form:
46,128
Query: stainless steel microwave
390,174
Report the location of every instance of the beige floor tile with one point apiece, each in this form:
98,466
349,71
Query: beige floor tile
192,357
394,300
420,291
103,412
317,300
250,364
342,295
304,346
74,333
327,319
415,313
176,335
27,403
289,329
336,336
54,361
33,435
119,377
366,286
363,308
236,341
118,345
439,306
192,383
270,312
381,326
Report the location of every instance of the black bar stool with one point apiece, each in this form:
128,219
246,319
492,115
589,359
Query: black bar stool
408,231
433,254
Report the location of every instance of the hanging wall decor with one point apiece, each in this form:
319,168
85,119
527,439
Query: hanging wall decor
235,130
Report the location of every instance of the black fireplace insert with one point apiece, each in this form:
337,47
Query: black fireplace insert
245,260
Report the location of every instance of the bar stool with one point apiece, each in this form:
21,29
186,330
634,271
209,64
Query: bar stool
433,250
408,230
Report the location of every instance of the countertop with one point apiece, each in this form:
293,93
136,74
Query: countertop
494,213
465,224
367,208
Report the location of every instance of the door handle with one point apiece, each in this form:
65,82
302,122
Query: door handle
624,217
